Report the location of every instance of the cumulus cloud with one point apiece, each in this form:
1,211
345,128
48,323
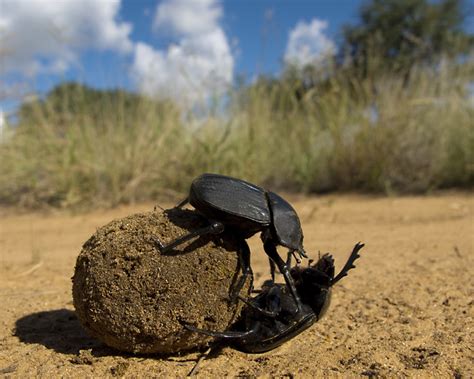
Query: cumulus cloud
198,64
185,17
38,36
307,44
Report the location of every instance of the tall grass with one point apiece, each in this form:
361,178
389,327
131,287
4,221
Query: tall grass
386,135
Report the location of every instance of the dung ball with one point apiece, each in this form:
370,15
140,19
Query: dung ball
135,299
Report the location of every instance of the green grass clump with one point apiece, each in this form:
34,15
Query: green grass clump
386,134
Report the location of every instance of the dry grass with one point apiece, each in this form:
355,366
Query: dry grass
388,135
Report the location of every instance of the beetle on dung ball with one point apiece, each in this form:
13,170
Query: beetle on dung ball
246,209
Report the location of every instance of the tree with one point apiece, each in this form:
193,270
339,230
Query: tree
395,34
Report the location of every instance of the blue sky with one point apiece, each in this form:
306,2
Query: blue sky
183,49
262,27
117,43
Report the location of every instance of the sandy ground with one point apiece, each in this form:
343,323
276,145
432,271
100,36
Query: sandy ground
406,310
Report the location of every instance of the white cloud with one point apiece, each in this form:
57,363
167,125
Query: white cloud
44,35
3,125
197,65
186,17
307,44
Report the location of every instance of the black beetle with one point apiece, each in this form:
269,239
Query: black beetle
272,318
245,209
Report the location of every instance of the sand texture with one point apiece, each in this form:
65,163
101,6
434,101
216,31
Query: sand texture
405,311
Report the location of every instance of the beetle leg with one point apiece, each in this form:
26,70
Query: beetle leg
214,228
349,264
272,269
244,258
288,258
224,335
272,252
265,312
272,304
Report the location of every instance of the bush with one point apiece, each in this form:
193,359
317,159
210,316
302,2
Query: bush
391,134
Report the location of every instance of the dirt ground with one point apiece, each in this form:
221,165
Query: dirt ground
406,310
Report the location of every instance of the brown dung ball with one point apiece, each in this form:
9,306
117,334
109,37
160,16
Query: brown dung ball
133,298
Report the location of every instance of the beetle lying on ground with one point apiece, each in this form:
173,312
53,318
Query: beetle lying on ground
246,209
272,318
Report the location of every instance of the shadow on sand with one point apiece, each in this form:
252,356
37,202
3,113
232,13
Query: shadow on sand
60,331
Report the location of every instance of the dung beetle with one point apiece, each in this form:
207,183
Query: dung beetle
245,209
272,318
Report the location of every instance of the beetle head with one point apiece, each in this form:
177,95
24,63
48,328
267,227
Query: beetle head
314,282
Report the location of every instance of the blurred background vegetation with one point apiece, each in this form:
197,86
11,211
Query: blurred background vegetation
392,113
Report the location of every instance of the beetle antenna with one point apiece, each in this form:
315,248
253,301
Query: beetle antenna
349,264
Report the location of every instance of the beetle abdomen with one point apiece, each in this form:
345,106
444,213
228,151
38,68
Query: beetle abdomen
234,202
